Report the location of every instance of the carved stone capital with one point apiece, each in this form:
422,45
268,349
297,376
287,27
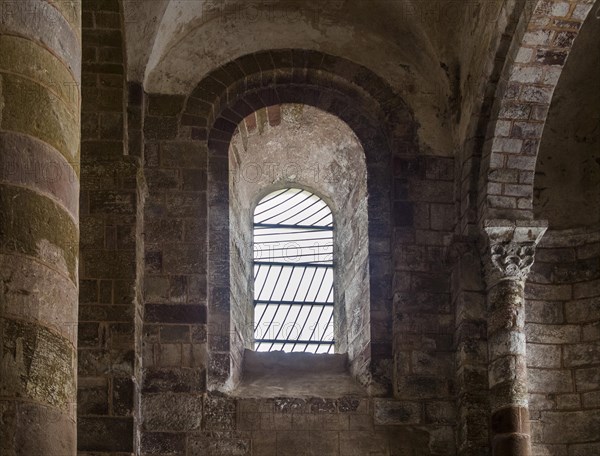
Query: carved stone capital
510,251
513,260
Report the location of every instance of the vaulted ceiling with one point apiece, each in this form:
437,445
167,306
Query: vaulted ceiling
425,49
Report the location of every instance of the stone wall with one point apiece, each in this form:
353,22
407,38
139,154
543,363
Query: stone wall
423,317
529,77
187,332
345,426
174,362
470,348
563,339
567,180
210,116
107,272
158,349
563,343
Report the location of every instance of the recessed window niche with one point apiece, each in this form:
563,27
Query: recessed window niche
299,147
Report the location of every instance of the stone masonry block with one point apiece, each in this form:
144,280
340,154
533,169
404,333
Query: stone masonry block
389,412
550,381
544,356
171,412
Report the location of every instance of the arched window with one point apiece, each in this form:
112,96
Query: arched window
299,271
293,273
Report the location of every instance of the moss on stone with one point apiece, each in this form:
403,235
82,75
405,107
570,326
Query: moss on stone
39,364
35,225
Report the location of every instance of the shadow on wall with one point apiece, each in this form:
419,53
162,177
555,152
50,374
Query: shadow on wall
563,291
567,179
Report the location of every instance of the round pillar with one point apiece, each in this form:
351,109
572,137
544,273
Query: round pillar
40,60
508,259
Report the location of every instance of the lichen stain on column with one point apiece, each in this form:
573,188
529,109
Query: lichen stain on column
39,229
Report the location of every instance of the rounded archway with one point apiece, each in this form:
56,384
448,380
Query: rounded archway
563,316
521,107
567,175
302,153
378,118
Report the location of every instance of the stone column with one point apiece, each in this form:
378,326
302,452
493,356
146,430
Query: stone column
508,259
40,58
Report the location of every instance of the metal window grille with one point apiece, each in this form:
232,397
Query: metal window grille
293,273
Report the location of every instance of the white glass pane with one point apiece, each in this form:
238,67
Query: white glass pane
294,285
280,285
324,292
306,237
316,285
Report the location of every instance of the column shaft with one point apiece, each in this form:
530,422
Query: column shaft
508,369
40,57
508,259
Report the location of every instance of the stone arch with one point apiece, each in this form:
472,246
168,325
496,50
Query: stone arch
521,106
562,292
295,146
378,117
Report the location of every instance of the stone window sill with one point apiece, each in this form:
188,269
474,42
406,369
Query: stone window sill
298,375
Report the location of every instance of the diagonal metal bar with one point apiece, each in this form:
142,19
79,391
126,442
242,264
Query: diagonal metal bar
266,277
300,211
270,297
304,207
279,303
315,213
285,209
257,272
289,198
275,195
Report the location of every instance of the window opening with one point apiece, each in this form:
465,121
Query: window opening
293,273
